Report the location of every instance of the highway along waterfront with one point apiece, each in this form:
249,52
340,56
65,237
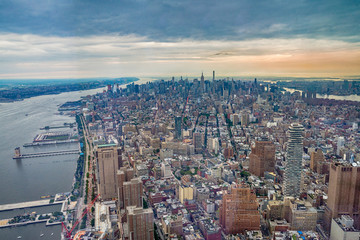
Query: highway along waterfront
28,179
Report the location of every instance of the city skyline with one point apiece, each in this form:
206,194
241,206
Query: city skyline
141,38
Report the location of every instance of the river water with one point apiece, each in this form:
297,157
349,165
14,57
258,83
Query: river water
352,97
28,179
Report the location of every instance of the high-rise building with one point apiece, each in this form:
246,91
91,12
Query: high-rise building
186,193
140,223
292,176
108,161
343,193
317,161
132,192
340,145
213,75
165,170
123,175
178,127
239,210
198,143
245,119
262,158
202,83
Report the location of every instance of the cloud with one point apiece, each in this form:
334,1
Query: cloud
29,56
162,20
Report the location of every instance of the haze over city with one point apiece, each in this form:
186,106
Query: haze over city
77,39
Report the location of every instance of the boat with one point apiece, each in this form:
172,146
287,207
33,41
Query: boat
41,235
52,234
19,237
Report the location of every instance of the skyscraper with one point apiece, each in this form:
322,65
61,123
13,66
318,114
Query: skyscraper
292,177
202,82
340,145
108,158
343,193
123,175
198,143
262,158
178,127
132,192
245,119
239,210
317,161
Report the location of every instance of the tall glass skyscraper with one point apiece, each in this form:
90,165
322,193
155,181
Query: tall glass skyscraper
293,167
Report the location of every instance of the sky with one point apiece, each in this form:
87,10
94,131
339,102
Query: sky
145,38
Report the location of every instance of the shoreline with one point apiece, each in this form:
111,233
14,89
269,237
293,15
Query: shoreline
10,100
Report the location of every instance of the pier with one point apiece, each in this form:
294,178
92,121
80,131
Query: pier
66,125
18,155
38,203
35,144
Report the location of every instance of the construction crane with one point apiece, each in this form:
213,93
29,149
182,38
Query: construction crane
68,232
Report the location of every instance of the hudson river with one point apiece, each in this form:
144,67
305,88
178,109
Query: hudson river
29,179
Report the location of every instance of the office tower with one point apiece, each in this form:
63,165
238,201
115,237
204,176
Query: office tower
165,170
292,176
140,223
198,145
262,158
236,119
186,193
245,120
123,175
108,160
213,75
343,193
202,82
132,192
340,145
228,152
178,127
239,210
317,161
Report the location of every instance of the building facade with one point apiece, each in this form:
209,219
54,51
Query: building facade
262,158
239,210
344,193
140,223
108,160
292,176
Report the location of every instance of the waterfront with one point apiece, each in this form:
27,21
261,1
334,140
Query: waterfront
335,97
29,179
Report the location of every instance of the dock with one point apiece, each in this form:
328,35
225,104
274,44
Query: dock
45,154
38,203
66,125
35,144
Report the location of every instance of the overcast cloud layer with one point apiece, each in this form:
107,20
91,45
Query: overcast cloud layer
65,38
